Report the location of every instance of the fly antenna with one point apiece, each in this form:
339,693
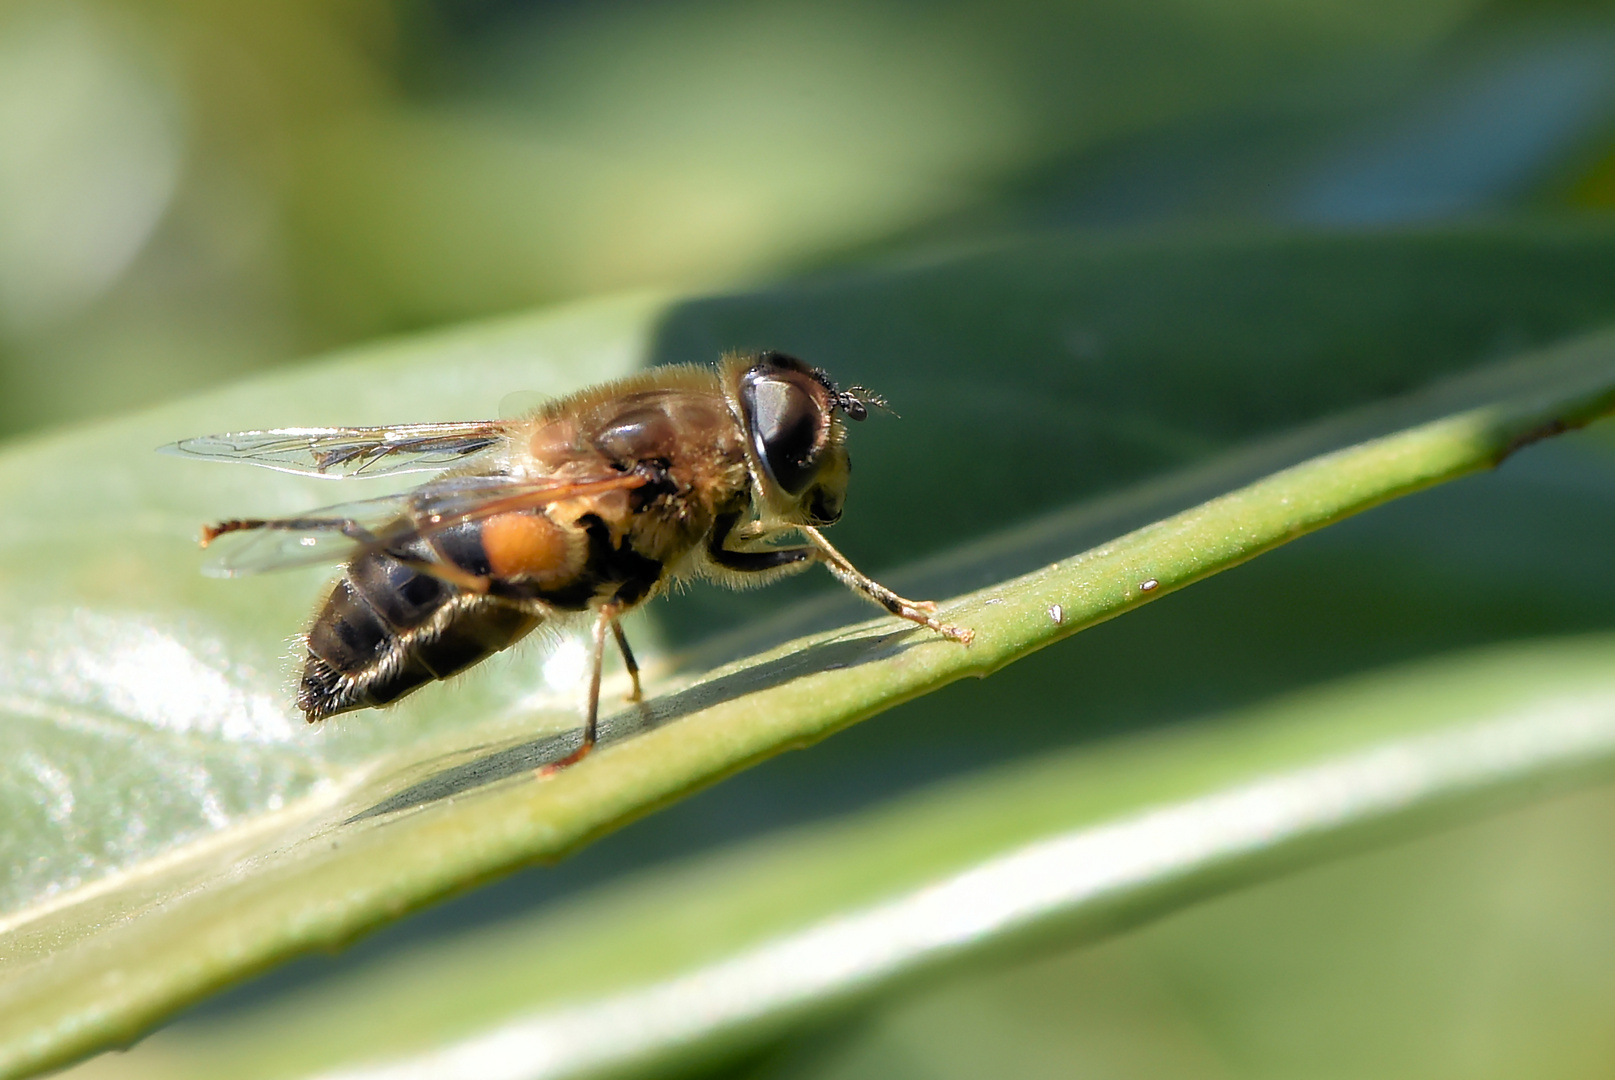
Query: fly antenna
856,401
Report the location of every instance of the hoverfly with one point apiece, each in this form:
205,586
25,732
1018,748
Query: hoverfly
593,504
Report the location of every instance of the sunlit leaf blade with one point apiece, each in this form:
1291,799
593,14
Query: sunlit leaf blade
308,862
725,953
353,870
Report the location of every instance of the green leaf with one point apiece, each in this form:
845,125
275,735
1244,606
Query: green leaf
127,673
725,953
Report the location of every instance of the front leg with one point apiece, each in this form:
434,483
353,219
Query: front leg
751,562
918,611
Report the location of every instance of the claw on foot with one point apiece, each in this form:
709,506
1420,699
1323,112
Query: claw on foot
544,772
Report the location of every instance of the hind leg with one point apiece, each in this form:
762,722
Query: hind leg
628,660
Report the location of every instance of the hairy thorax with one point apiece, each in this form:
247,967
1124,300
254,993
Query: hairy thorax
683,439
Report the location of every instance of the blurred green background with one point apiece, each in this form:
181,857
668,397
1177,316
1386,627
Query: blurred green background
193,190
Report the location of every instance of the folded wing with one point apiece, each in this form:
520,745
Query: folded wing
349,451
337,533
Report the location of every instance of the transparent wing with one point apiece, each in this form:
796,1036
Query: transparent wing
335,533
522,403
354,451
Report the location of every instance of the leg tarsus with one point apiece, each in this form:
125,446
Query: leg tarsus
547,771
917,611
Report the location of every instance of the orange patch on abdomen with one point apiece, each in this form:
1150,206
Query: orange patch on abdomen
529,545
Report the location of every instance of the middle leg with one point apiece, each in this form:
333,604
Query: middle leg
607,617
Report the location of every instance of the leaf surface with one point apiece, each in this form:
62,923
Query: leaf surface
179,830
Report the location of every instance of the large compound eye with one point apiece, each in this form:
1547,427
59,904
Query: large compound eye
787,428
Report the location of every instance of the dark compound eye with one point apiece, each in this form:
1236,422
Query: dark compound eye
787,428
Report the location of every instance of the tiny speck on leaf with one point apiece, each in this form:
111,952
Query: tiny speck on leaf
1057,613
1148,586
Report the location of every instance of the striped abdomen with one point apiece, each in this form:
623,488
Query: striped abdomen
388,628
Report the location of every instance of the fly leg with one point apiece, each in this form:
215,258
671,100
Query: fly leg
917,611
346,526
591,727
779,559
628,660
353,530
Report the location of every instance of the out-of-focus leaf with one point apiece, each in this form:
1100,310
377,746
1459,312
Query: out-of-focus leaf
572,152
723,954
127,671
1481,948
358,167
